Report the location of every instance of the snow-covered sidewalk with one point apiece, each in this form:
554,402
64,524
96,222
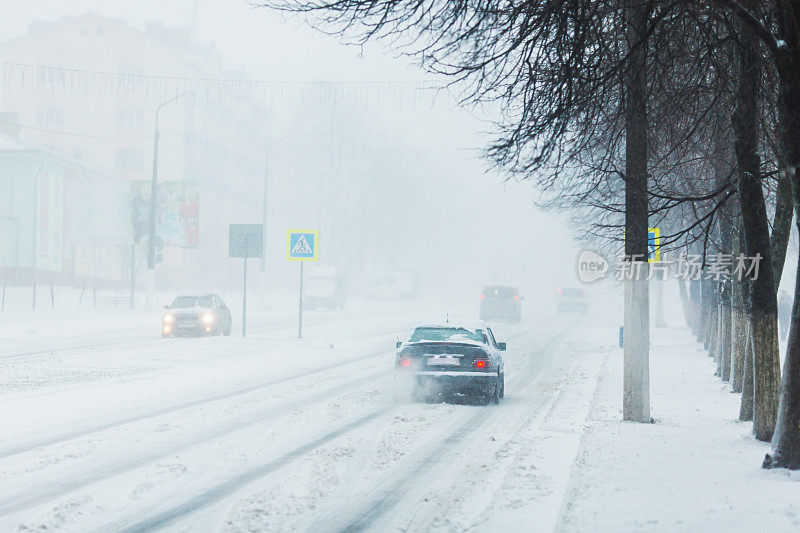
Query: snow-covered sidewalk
695,469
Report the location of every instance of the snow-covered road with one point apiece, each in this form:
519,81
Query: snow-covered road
273,433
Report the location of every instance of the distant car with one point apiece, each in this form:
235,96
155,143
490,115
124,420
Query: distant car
450,360
196,315
501,301
572,300
325,287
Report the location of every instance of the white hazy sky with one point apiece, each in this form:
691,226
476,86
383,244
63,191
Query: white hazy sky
272,46
269,45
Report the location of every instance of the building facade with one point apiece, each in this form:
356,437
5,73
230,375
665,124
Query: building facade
87,88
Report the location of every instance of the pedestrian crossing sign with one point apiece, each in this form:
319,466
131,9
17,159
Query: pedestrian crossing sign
302,245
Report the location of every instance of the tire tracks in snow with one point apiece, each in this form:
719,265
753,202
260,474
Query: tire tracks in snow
225,489
104,426
440,450
71,482
32,445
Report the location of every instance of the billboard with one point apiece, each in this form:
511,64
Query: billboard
177,214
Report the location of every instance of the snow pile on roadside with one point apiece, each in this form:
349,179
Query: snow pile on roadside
695,469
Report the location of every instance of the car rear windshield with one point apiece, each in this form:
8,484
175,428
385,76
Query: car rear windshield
453,334
498,291
182,302
418,350
573,292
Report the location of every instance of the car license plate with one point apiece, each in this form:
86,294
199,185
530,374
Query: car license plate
443,360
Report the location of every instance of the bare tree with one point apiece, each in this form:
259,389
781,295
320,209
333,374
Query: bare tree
580,115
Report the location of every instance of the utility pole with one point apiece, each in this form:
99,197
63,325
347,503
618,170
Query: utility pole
264,211
133,274
300,306
244,289
151,241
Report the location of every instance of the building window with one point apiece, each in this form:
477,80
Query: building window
127,78
130,118
49,116
129,160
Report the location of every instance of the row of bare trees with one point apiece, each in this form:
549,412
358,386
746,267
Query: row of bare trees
682,114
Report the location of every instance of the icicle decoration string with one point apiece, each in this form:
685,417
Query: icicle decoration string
54,81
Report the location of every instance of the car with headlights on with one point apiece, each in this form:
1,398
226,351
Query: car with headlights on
449,361
196,315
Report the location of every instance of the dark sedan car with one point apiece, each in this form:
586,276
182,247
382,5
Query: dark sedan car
196,315
501,301
450,360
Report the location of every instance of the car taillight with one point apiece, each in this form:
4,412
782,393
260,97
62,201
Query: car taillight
405,362
480,363
516,297
483,296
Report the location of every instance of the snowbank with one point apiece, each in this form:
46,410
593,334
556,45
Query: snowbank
695,469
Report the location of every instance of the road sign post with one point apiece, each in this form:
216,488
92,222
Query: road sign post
301,245
244,290
300,307
245,241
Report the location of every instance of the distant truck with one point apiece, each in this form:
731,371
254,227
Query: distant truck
325,287
392,284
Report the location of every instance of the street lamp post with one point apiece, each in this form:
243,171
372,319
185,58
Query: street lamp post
151,241
264,206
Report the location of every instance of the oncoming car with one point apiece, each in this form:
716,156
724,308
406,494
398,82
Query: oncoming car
449,360
204,314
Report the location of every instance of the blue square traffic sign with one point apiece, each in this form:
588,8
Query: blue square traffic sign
302,245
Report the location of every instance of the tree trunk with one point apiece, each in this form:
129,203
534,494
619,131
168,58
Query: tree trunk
711,336
746,406
636,395
725,333
695,299
739,322
707,314
763,311
703,314
724,165
781,226
766,375
685,303
738,345
786,441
